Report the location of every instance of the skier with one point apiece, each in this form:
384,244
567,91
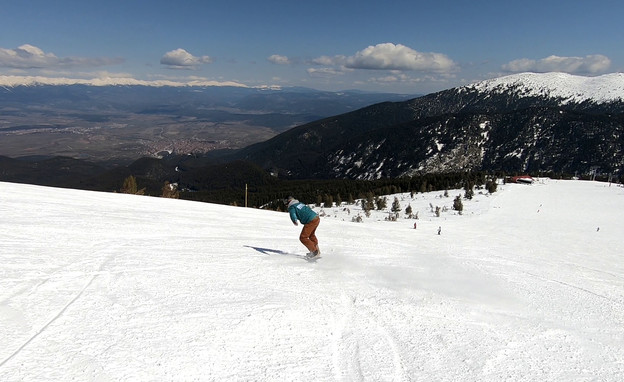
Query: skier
310,221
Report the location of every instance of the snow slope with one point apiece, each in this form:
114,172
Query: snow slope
568,87
527,285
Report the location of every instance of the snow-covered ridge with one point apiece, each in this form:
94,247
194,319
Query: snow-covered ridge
570,88
12,81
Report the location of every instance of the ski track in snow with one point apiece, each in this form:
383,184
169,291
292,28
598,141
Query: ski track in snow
106,287
359,337
73,300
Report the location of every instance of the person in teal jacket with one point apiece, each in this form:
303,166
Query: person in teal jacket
310,220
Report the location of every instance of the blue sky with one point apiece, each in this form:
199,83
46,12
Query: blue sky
392,46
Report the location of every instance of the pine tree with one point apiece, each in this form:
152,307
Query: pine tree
328,201
458,205
491,186
129,185
382,203
396,205
370,202
469,191
170,191
365,207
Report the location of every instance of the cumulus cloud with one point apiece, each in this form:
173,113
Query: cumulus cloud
389,56
26,57
394,61
181,59
591,64
31,57
279,60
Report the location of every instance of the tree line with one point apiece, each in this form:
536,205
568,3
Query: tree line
268,192
329,191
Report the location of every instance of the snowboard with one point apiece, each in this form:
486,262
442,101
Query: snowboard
304,257
312,259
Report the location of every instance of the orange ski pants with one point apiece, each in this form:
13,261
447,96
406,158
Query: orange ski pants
308,234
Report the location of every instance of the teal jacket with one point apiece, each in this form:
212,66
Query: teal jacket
301,212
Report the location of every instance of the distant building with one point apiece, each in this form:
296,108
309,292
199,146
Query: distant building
526,179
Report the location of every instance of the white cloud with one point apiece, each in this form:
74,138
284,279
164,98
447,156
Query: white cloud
389,56
31,57
591,64
324,72
181,59
393,78
326,60
26,57
401,78
279,60
83,74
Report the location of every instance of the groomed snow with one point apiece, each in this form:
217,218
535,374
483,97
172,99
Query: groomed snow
528,284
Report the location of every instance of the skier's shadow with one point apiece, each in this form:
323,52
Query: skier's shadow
268,251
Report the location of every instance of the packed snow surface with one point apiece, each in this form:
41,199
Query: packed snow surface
527,284
568,87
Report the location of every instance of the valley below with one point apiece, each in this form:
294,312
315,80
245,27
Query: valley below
122,138
124,123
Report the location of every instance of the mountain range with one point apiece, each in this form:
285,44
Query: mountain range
122,123
521,123
524,123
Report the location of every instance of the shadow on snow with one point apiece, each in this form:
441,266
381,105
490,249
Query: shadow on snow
269,251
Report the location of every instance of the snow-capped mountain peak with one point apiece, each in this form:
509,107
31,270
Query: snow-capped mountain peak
13,81
569,88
